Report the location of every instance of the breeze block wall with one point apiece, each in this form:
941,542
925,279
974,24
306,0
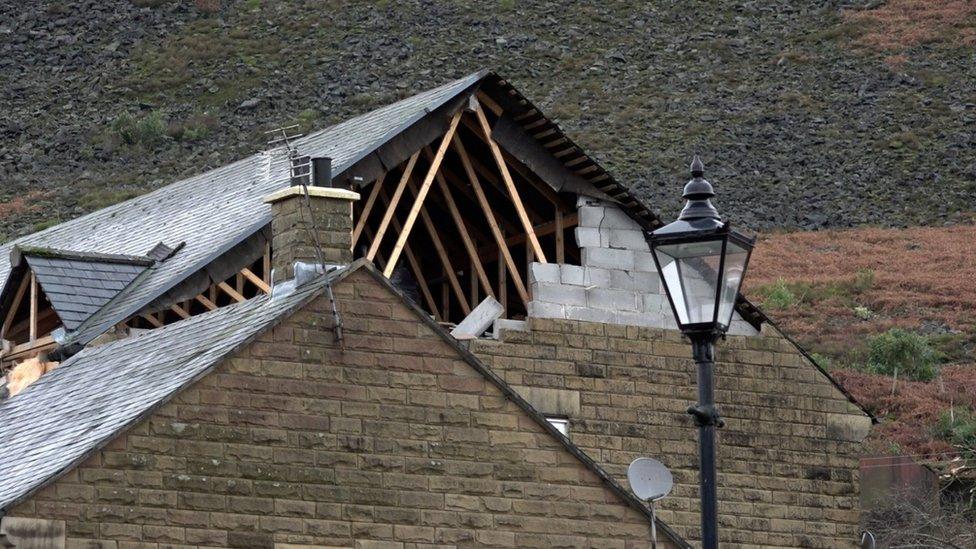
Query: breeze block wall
617,281
393,442
788,456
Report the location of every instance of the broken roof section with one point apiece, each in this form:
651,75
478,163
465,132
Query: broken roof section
79,284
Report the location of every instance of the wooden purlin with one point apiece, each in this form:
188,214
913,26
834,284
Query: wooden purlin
469,245
422,194
231,292
560,237
391,208
34,296
507,178
490,217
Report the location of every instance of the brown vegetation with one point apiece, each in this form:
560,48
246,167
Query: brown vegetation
898,24
920,280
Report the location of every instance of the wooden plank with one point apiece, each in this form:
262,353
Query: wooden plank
152,320
465,189
33,307
210,305
256,280
15,304
25,348
435,239
502,281
364,215
239,283
560,237
391,209
422,194
231,292
418,272
490,216
266,263
465,237
490,103
180,311
473,282
507,179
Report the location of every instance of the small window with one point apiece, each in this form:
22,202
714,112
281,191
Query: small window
561,424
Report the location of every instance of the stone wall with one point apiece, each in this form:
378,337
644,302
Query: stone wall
394,442
329,210
617,281
788,456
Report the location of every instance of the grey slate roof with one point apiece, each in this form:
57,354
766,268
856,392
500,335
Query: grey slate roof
76,286
213,211
90,398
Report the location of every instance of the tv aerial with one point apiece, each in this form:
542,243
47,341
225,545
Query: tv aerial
650,481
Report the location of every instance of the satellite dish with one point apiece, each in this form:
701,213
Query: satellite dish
649,479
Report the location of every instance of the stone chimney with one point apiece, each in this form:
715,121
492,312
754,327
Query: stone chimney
292,238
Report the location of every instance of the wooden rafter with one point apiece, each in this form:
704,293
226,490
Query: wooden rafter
256,280
543,229
231,292
490,216
507,179
180,311
560,237
391,209
210,305
151,319
435,239
367,208
418,273
422,194
456,181
469,245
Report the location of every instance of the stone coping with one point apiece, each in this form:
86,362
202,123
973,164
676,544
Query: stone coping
313,192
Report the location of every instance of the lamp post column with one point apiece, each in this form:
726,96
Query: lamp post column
707,419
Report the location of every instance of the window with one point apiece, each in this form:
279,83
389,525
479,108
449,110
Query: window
561,424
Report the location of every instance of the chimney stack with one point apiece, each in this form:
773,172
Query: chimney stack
292,239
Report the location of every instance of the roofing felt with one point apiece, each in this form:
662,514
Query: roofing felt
90,398
78,287
213,211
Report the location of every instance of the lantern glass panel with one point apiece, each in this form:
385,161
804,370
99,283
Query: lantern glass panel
690,273
735,265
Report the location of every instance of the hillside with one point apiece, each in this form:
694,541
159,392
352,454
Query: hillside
837,292
808,114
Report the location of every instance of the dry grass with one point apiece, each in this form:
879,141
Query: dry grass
921,276
899,24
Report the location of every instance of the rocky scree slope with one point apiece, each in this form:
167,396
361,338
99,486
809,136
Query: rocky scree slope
802,123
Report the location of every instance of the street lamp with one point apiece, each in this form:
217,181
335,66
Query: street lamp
701,261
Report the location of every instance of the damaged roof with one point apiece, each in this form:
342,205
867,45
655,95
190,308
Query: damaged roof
60,420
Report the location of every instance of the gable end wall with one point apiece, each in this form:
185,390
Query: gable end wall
394,442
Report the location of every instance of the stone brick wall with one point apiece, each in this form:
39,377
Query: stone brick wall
788,456
392,443
291,225
617,281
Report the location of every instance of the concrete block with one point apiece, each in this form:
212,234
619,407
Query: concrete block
540,309
608,216
627,238
544,272
591,216
588,314
483,316
508,325
563,294
608,258
654,303
572,274
612,299
583,200
644,262
595,276
622,280
649,282
589,236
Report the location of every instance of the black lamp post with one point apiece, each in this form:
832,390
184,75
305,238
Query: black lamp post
702,260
